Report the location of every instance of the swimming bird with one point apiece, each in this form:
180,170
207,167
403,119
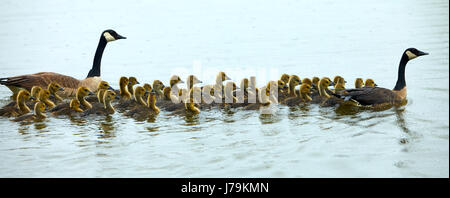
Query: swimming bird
82,92
218,87
131,82
125,94
69,83
143,110
107,107
20,108
38,114
190,109
370,83
323,95
359,83
304,92
71,109
382,96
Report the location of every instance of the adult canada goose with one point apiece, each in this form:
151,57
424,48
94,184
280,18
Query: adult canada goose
106,109
38,114
359,82
69,83
71,109
20,108
370,83
378,95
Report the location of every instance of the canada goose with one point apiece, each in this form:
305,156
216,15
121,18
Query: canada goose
131,82
139,92
67,108
190,108
323,90
208,98
370,83
82,92
44,96
106,109
294,80
191,81
54,87
378,95
71,109
304,91
158,86
264,101
38,114
144,109
123,88
285,78
336,79
35,90
339,88
359,83
148,88
101,88
20,107
70,84
229,99
218,87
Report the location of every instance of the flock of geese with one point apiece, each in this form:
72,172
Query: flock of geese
59,94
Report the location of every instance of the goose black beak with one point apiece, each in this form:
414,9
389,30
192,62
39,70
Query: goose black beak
61,89
32,98
375,85
420,53
120,37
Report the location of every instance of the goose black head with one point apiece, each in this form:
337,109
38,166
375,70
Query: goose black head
413,53
111,35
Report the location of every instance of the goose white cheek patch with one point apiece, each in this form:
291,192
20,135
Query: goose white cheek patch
410,55
108,37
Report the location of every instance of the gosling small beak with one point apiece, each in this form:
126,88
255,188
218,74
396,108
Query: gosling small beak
376,85
345,81
61,89
137,82
181,81
285,86
32,98
314,85
110,88
120,37
332,84
199,81
227,78
91,93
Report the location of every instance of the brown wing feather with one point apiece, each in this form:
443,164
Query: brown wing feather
41,79
372,95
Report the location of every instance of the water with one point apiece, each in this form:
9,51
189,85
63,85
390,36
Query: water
243,38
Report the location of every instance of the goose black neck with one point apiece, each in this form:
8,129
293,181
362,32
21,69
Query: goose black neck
401,83
95,71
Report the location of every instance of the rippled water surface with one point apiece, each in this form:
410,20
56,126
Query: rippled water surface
243,38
